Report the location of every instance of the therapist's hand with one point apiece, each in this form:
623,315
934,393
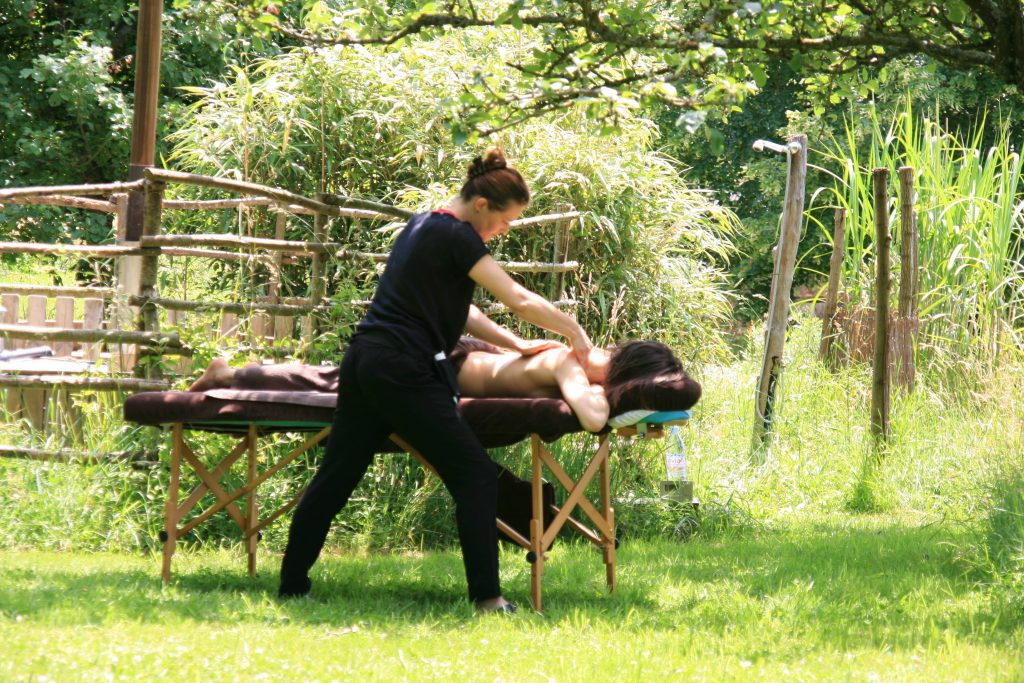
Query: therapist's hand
581,347
531,347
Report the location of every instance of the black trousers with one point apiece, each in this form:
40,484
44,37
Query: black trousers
383,391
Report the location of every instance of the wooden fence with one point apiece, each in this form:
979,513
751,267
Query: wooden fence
126,328
857,333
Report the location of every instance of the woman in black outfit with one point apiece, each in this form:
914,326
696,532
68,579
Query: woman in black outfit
395,376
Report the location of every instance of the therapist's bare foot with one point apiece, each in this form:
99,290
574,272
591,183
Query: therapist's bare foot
498,604
218,375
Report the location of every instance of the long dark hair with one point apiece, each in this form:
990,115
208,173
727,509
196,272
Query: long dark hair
638,360
489,176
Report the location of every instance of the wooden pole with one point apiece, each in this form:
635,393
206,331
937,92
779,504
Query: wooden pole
40,332
73,292
782,283
908,234
80,383
835,274
909,274
260,243
328,206
67,201
147,91
83,250
279,324
147,365
560,254
14,193
137,459
274,286
235,307
880,371
10,311
316,275
544,220
128,266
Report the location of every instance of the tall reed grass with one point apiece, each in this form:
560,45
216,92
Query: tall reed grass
969,204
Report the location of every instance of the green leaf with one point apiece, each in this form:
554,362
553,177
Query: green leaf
459,134
716,141
758,73
317,16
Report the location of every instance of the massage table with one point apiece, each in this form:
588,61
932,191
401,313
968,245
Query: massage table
253,414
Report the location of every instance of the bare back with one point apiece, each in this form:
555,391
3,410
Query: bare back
552,373
509,375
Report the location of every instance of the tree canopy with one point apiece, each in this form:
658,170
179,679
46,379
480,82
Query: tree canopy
608,57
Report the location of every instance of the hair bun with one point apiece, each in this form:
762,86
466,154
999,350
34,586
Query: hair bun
491,160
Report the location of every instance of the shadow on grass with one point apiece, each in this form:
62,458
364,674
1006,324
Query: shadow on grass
850,587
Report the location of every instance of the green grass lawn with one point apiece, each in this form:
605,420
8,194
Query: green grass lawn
827,561
857,597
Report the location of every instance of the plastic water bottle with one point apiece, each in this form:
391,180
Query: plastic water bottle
675,456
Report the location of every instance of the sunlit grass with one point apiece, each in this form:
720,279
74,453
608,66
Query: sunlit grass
851,597
824,563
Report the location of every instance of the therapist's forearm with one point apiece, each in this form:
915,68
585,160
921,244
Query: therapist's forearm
485,329
537,310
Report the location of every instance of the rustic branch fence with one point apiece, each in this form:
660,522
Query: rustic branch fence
121,325
854,333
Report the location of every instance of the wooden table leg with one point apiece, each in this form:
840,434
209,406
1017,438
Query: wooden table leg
537,525
171,507
608,513
251,518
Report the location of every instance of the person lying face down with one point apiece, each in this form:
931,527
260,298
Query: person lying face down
486,371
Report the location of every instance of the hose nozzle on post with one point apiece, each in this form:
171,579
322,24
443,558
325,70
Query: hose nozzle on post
788,148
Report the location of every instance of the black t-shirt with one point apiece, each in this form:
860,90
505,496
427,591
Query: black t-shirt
423,298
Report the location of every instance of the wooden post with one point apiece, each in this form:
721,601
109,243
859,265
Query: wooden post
170,535
536,524
33,401
316,275
835,274
880,371
147,93
274,286
782,283
283,327
92,320
560,254
11,304
127,266
64,318
228,324
907,321
252,518
147,365
128,269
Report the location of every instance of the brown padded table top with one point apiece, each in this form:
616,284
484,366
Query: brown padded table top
496,421
280,399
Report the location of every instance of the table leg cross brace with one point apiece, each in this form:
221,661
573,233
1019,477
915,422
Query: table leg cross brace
249,523
541,538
